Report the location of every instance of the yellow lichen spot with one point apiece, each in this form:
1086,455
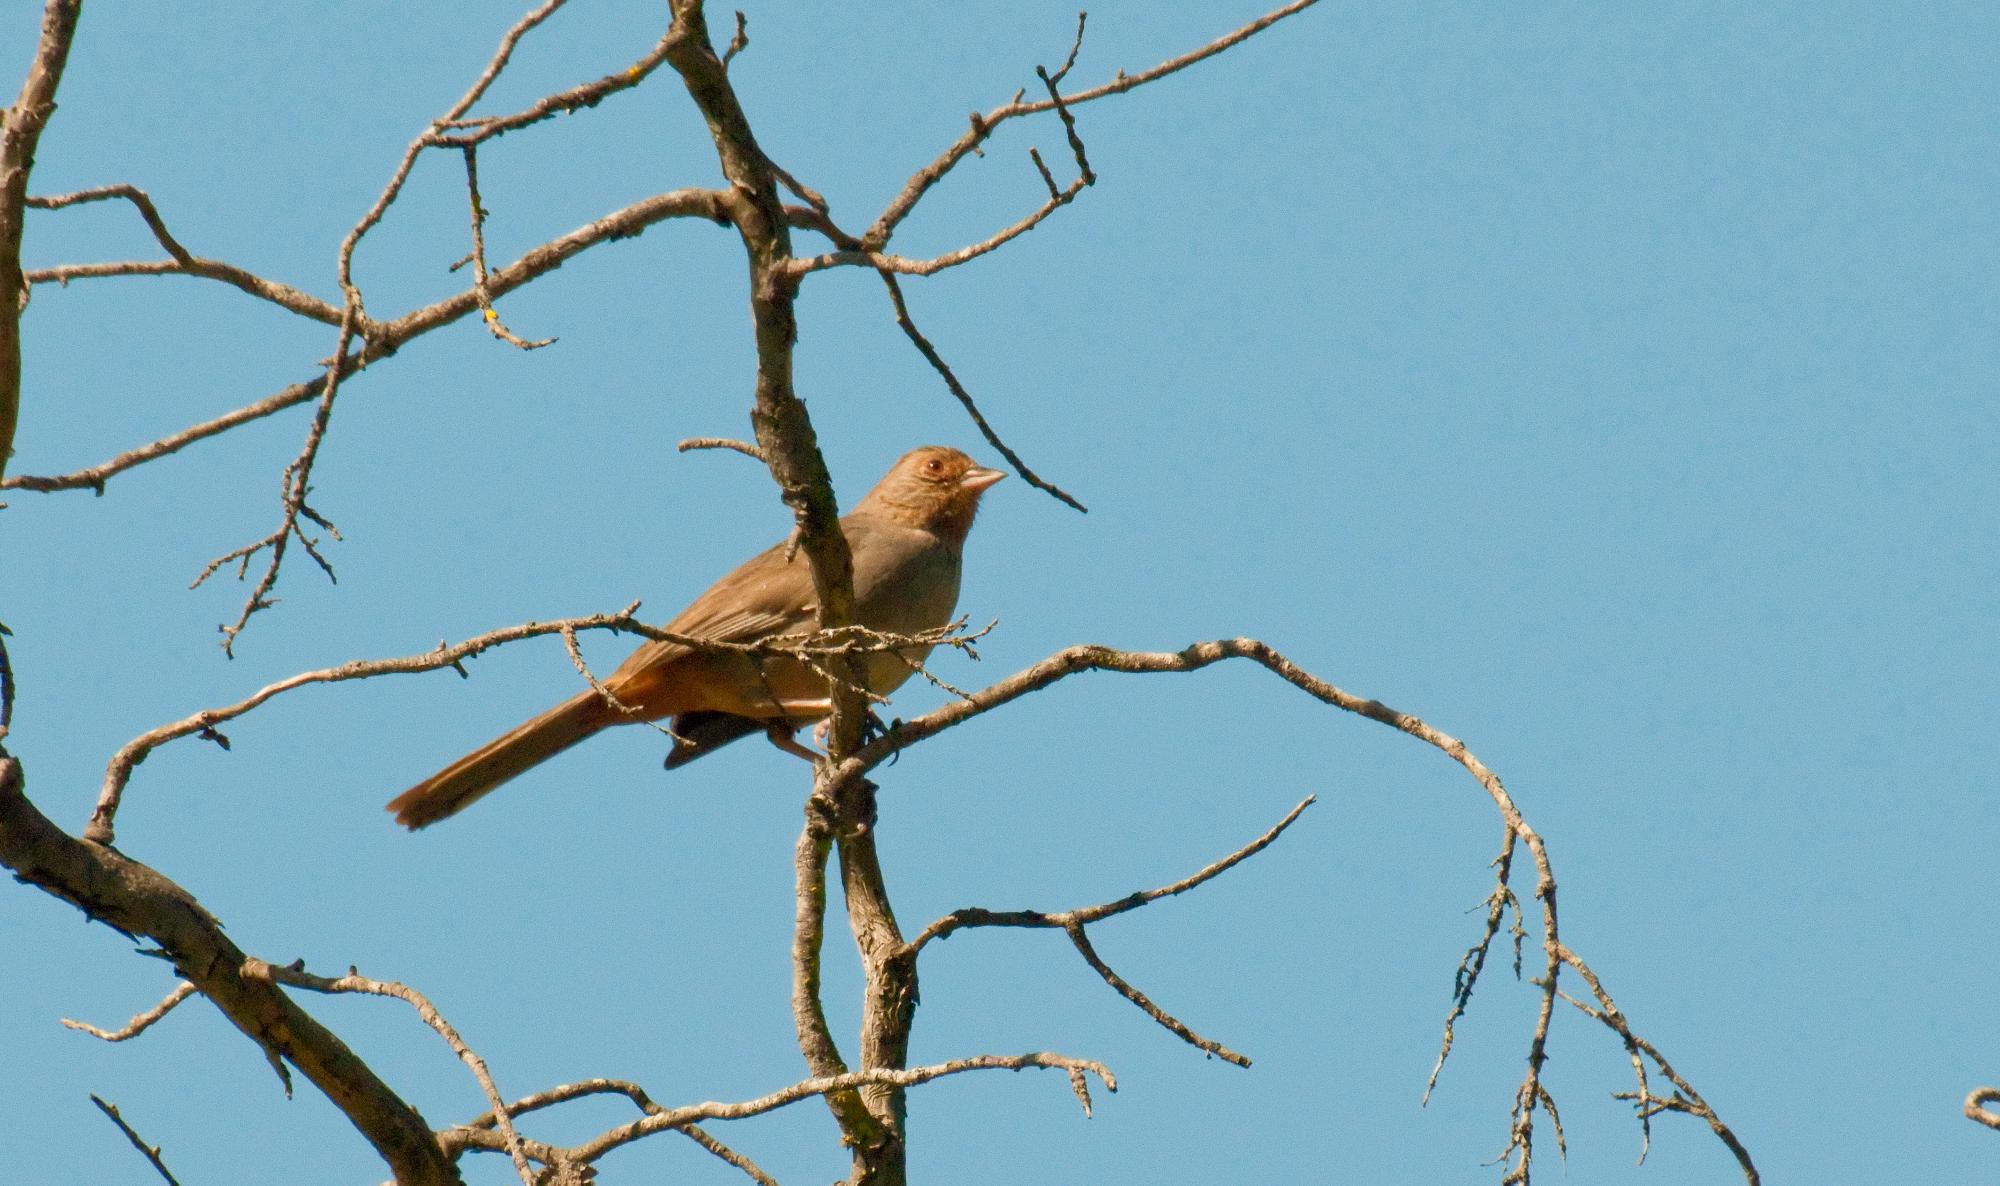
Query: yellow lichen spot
492,314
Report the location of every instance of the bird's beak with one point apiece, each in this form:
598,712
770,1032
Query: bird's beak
979,478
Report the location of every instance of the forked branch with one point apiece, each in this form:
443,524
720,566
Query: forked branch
1072,922
1532,1096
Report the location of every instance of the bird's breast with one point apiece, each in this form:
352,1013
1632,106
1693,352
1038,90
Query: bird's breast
904,581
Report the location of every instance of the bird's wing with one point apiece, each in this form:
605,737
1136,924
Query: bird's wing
762,597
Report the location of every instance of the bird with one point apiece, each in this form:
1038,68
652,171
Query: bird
906,536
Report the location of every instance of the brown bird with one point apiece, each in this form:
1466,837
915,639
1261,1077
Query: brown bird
906,537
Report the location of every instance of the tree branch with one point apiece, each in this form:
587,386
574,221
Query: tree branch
845,643
183,262
354,982
964,397
878,235
20,132
1532,1094
388,337
670,1119
483,128
151,1152
1978,1106
140,1023
135,900
1072,922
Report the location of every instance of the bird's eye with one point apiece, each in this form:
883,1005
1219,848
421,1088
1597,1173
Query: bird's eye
933,466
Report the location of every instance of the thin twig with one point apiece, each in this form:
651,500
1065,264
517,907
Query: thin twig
486,309
738,43
609,697
427,139
878,235
1131,993
924,347
1074,48
707,1140
460,132
1072,922
297,480
1084,173
183,261
388,337
638,1096
152,1152
354,982
959,920
6,683
296,484
668,1119
141,1022
1687,1099
1466,978
743,447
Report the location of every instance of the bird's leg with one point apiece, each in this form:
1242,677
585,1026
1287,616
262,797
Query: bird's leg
782,729
782,735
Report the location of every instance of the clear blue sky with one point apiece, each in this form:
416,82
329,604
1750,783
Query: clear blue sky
1612,386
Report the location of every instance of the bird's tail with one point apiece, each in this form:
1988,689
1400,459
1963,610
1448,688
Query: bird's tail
458,785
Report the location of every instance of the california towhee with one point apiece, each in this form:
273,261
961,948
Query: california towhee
906,537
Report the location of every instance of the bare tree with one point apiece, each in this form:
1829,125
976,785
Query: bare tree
864,1081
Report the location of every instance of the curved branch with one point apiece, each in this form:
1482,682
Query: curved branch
394,187
816,1041
1532,1095
1977,1106
902,265
141,1022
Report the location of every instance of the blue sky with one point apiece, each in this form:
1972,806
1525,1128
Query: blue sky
1612,387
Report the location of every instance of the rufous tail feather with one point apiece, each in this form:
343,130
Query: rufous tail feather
462,783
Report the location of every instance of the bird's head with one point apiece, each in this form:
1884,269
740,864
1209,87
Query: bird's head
935,488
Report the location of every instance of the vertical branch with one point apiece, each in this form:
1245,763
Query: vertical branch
23,130
808,936
889,994
785,436
783,429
